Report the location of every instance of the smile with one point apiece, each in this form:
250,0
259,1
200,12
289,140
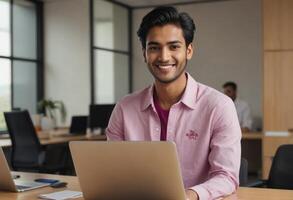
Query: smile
166,66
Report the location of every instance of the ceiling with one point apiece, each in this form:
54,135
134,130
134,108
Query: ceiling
150,3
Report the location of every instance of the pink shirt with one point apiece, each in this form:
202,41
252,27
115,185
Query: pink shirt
204,126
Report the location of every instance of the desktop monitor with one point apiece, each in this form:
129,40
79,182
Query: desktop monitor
100,115
78,124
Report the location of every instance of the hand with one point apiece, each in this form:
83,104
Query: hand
191,195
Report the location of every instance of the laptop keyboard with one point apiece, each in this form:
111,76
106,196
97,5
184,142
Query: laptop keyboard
21,187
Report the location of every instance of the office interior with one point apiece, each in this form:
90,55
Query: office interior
84,52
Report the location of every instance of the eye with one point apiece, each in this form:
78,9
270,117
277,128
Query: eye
174,47
153,48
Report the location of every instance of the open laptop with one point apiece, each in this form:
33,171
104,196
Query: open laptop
9,184
128,170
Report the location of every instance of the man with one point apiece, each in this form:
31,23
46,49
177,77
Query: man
242,108
200,120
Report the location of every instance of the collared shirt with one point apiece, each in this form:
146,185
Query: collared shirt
204,127
243,113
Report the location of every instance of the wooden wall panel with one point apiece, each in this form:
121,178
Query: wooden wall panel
278,24
278,90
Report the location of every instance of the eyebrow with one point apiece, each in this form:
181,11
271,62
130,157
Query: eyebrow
171,42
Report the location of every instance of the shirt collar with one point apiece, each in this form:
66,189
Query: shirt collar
188,98
147,99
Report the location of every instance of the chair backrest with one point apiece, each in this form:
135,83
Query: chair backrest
25,143
281,173
79,124
243,173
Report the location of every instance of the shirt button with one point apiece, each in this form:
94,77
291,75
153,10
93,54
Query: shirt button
157,129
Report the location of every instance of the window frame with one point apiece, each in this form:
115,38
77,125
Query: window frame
39,61
93,48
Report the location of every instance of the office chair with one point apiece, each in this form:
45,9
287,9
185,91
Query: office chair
27,153
281,172
243,173
78,125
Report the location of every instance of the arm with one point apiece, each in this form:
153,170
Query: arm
224,156
115,128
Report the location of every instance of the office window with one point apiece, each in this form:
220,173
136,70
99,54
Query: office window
110,51
24,29
4,28
5,89
19,60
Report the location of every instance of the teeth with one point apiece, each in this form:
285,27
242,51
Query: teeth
165,66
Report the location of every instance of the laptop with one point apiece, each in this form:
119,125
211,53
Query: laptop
9,184
128,170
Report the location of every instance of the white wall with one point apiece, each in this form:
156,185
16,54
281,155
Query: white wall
228,47
67,54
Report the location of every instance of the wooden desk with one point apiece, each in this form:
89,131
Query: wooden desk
252,136
55,137
242,193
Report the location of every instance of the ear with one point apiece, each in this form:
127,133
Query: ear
144,54
189,51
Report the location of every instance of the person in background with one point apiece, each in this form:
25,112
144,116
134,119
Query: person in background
242,108
201,121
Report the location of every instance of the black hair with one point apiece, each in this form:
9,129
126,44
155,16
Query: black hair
230,84
166,15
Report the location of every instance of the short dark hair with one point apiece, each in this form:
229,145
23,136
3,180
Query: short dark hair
230,84
166,15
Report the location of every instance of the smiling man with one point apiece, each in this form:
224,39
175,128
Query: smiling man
200,120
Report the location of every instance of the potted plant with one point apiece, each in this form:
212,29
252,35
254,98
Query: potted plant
48,107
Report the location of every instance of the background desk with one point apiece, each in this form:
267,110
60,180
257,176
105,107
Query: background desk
56,146
56,137
242,193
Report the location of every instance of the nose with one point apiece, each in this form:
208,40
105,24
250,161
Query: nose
164,55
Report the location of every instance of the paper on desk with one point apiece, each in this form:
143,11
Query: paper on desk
62,195
277,133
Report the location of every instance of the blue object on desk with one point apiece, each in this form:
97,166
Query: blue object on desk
46,180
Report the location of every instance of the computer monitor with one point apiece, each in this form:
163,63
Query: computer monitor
100,115
78,124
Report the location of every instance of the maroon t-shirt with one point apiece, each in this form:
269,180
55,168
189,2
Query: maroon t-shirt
163,115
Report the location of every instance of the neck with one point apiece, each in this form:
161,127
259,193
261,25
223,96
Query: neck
170,93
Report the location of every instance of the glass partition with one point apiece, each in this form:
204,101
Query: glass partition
5,90
112,76
110,52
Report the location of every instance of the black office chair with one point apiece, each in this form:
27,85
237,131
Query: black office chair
27,153
78,125
281,172
243,173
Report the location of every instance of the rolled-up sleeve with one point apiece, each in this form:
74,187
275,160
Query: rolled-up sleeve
224,157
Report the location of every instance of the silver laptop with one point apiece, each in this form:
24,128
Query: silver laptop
128,170
9,184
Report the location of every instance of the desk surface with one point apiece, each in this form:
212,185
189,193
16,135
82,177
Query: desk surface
60,136
55,137
252,135
242,193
